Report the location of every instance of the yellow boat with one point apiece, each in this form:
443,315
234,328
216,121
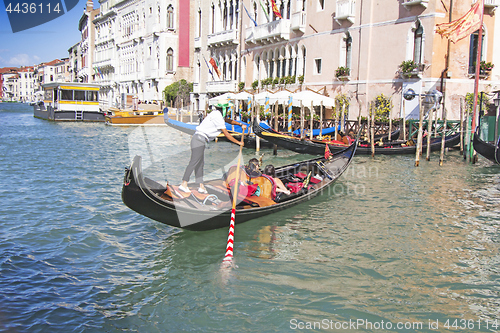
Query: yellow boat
150,115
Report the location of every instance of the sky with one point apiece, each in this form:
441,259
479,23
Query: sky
43,43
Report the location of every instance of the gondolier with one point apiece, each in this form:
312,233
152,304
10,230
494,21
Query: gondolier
210,127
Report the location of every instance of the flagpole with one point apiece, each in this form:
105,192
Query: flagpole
476,87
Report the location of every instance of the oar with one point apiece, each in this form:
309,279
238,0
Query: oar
230,238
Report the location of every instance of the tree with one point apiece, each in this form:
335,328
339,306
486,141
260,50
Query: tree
177,94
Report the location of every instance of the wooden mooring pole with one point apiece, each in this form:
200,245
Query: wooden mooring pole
443,135
275,147
429,134
372,129
419,137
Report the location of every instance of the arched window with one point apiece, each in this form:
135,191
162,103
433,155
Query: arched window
224,16
474,41
278,63
170,17
199,22
213,18
270,61
170,60
348,49
418,37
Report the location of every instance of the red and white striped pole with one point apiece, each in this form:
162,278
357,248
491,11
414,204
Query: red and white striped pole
230,238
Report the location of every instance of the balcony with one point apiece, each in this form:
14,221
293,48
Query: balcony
197,43
196,88
221,86
489,4
271,32
223,38
299,21
345,10
409,3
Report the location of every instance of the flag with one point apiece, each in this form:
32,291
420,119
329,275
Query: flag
275,9
209,71
328,153
464,26
250,16
265,11
214,65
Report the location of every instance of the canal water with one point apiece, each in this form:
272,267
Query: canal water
391,248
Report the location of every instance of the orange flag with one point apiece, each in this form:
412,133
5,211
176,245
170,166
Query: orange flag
464,26
328,153
214,65
275,9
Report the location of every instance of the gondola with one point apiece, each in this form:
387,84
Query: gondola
235,131
317,147
486,149
197,211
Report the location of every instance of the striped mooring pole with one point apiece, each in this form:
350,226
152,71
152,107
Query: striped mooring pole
290,100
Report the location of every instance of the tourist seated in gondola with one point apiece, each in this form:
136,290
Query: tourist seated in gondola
253,168
280,187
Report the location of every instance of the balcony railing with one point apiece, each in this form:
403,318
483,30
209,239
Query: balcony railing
271,32
221,86
345,10
223,38
409,3
490,4
299,21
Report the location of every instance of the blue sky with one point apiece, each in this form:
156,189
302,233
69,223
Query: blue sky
43,43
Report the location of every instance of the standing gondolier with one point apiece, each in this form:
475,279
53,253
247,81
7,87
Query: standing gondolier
209,129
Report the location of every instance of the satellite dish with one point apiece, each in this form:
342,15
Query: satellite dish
409,94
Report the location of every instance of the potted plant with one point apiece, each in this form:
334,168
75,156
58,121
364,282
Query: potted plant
255,84
408,68
342,73
485,67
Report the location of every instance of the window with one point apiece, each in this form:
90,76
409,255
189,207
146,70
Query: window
474,39
317,66
321,5
170,17
79,95
170,60
348,50
199,23
213,19
66,95
417,43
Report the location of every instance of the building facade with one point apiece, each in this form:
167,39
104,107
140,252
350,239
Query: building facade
142,47
303,44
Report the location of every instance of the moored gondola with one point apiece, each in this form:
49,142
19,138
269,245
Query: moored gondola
317,147
235,131
488,150
198,211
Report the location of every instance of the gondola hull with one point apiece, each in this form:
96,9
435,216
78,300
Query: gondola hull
486,149
144,196
314,147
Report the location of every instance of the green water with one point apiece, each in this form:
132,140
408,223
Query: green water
391,244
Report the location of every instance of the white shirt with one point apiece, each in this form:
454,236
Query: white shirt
212,125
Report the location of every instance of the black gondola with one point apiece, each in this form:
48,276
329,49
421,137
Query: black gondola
317,147
487,149
195,211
